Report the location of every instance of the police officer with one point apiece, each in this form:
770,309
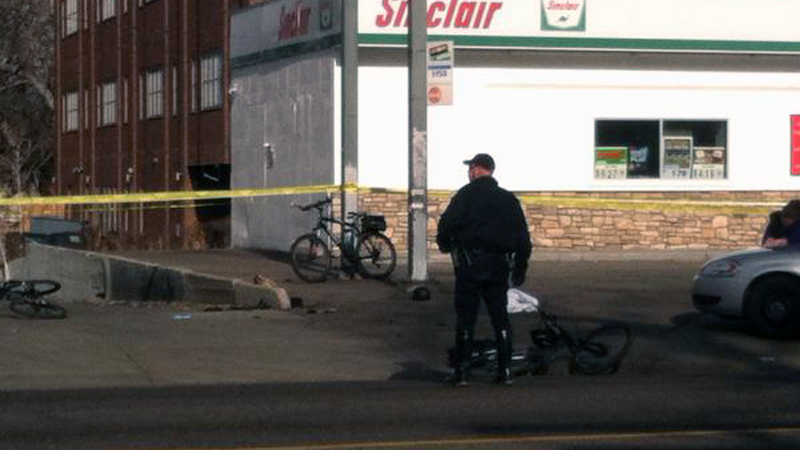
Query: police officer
484,229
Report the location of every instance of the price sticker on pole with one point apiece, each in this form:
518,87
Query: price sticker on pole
439,57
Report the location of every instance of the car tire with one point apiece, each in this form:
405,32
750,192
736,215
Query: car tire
773,307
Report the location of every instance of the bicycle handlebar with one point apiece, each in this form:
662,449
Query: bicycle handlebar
317,205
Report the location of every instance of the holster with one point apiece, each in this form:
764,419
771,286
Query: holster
462,257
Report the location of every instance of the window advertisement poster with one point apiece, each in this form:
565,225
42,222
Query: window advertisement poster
795,130
637,161
709,163
677,162
611,163
440,73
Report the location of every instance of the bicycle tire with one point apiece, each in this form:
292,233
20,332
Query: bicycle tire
376,255
38,309
601,351
311,258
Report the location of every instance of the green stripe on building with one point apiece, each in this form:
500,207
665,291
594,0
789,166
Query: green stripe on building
584,43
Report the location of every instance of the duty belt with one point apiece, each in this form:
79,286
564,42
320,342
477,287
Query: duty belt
466,256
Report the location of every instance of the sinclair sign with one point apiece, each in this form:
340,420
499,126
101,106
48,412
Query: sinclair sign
447,16
563,15
459,15
748,26
294,24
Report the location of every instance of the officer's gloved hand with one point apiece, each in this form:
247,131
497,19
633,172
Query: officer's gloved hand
518,276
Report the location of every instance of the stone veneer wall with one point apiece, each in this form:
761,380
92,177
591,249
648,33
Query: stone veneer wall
612,220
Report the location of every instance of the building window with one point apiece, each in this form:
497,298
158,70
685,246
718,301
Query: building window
70,17
107,104
124,100
665,149
141,96
85,109
98,106
154,93
211,82
108,9
194,86
70,109
174,90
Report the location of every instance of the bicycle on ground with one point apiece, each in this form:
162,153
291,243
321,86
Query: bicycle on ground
362,245
26,298
600,351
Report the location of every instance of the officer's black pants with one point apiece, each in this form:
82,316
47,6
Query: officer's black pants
486,278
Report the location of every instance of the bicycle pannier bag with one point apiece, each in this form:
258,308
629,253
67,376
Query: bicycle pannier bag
373,223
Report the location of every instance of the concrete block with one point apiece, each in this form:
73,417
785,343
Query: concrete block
137,281
201,288
85,275
81,273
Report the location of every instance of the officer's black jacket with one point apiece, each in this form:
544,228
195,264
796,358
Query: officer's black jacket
484,216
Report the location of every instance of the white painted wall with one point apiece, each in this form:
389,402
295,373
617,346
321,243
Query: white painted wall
539,124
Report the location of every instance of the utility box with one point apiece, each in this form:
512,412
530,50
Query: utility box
57,232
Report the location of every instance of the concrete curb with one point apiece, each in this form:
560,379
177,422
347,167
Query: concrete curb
88,275
699,255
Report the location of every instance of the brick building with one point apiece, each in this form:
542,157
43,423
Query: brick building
142,106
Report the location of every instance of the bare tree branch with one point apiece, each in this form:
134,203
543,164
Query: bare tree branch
26,100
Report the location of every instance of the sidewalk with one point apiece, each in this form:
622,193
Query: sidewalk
348,330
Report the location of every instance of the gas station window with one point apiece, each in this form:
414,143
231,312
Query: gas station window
665,149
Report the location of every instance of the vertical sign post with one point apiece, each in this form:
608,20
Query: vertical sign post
349,106
795,138
418,144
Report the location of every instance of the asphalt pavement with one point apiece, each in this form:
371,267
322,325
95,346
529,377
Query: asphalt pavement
366,330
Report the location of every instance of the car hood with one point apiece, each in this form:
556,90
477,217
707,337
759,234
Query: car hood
784,257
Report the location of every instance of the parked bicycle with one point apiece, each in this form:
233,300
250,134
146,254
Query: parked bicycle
599,351
27,298
361,244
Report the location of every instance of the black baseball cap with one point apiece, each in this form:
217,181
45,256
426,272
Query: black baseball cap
481,159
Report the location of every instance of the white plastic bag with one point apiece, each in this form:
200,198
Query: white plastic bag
520,301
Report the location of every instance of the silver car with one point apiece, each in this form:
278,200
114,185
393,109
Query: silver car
762,285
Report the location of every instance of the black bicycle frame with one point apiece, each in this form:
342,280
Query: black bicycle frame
322,226
573,343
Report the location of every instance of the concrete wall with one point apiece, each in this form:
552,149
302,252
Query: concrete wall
82,275
86,275
287,104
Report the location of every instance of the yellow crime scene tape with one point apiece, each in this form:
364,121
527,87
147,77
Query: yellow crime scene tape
581,200
170,196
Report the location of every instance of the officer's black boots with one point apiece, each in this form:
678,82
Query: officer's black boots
460,376
503,358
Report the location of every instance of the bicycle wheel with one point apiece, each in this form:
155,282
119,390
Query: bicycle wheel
38,309
376,255
601,351
311,258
